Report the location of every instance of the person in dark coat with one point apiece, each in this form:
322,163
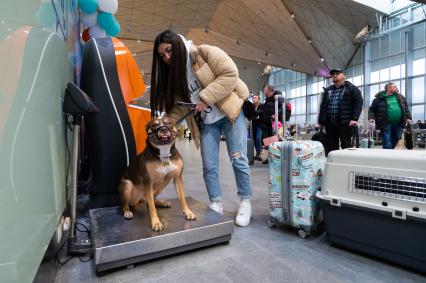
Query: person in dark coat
267,113
256,127
390,111
340,109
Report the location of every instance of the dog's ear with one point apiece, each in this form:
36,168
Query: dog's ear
170,121
148,127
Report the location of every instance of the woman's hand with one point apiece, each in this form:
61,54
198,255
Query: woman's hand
201,106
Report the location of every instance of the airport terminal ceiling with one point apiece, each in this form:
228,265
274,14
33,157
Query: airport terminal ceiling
303,35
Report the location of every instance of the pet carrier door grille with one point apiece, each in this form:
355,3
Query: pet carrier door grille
395,187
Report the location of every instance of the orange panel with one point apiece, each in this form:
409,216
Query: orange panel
132,87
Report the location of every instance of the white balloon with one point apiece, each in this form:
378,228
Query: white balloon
97,32
108,6
89,20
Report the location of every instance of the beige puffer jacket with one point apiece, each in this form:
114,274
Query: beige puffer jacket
218,76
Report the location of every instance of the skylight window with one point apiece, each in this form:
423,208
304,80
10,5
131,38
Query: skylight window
386,6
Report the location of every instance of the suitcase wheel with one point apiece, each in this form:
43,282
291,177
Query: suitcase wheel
302,233
272,224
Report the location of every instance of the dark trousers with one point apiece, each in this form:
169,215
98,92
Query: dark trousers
336,133
257,137
355,137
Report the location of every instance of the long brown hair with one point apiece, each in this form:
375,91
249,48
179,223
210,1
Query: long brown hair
168,82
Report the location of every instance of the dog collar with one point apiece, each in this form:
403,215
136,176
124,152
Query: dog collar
164,154
165,160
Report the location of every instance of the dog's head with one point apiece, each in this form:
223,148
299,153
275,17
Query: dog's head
161,131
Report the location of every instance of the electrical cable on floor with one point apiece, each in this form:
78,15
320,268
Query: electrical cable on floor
85,230
88,257
68,126
58,258
80,227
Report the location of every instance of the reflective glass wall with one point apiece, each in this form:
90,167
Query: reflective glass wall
303,91
395,53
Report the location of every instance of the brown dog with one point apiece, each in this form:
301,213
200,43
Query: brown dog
151,172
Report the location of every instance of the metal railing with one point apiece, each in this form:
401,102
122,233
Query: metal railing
398,19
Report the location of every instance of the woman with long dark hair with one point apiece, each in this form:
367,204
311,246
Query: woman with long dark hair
206,76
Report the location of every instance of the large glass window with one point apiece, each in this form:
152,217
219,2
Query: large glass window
386,63
375,49
418,90
374,89
419,62
418,112
375,72
315,102
384,69
395,42
318,83
419,35
358,77
397,67
418,14
384,48
298,97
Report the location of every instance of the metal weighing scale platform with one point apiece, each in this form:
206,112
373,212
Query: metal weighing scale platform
119,242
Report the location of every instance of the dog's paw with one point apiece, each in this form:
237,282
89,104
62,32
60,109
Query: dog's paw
163,203
189,215
128,214
157,225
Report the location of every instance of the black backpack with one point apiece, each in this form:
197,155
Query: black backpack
321,137
249,111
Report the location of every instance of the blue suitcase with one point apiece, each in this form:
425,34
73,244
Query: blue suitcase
295,175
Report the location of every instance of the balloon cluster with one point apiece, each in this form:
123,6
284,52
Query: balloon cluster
98,18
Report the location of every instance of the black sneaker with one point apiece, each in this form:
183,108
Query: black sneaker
265,161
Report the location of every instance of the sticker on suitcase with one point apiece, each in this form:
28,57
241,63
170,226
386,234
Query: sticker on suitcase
275,197
305,173
310,163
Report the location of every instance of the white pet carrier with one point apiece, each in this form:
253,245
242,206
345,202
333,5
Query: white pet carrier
374,201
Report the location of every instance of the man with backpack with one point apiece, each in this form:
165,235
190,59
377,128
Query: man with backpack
267,113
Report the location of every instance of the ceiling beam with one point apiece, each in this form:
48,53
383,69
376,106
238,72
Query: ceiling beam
308,38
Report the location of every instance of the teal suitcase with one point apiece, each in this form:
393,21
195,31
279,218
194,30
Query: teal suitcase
295,175
369,141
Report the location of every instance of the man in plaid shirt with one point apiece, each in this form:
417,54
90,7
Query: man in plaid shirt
340,109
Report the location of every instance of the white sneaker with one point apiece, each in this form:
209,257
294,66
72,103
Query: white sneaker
244,213
217,206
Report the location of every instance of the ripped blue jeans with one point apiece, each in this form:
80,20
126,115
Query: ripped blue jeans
236,143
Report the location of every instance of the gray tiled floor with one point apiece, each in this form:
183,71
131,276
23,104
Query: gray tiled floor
255,254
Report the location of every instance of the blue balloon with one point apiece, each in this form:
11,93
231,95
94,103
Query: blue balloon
109,23
88,6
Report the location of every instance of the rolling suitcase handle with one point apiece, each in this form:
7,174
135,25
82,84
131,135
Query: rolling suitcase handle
277,97
370,134
285,159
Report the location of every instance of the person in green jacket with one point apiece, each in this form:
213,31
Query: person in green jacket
390,111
